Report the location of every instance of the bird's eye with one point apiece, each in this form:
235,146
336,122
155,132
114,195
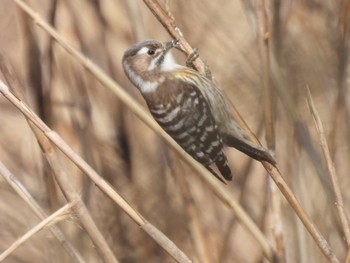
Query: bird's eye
151,52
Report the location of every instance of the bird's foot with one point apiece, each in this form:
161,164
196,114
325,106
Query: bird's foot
192,57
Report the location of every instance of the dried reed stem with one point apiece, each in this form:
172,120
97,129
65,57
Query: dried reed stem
175,32
86,220
138,110
71,194
330,167
159,237
196,229
137,27
124,97
59,215
167,20
268,97
39,211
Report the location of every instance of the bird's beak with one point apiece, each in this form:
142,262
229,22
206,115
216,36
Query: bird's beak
169,45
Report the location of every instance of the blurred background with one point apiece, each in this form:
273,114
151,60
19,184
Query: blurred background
307,47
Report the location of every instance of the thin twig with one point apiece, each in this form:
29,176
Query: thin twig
330,167
138,110
39,211
175,32
264,50
269,103
59,215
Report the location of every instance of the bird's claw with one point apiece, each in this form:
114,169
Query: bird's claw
192,57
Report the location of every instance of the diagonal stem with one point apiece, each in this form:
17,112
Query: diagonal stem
175,32
124,97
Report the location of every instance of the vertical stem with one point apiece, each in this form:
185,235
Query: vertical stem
196,229
331,170
268,98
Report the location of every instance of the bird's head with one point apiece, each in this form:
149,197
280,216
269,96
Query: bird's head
145,61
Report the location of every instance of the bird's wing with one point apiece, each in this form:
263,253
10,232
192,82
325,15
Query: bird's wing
188,119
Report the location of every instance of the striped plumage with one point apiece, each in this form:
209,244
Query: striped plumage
232,134
182,111
188,106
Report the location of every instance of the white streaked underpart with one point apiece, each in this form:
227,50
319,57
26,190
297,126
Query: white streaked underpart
215,143
170,116
202,120
182,135
199,154
177,126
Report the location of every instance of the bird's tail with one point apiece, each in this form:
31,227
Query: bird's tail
254,151
222,165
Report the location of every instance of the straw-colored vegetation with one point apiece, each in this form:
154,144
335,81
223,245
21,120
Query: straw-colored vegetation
283,65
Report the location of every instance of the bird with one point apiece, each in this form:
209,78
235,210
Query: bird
188,106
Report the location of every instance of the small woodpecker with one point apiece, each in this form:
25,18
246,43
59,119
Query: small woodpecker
188,106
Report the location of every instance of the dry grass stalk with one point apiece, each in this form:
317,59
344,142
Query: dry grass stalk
61,214
61,176
162,16
264,35
331,170
80,209
159,237
274,173
167,20
224,37
39,211
197,231
217,187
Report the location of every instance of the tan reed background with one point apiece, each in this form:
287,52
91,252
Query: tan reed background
307,48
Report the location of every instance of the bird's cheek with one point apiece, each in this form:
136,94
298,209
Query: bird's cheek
141,64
